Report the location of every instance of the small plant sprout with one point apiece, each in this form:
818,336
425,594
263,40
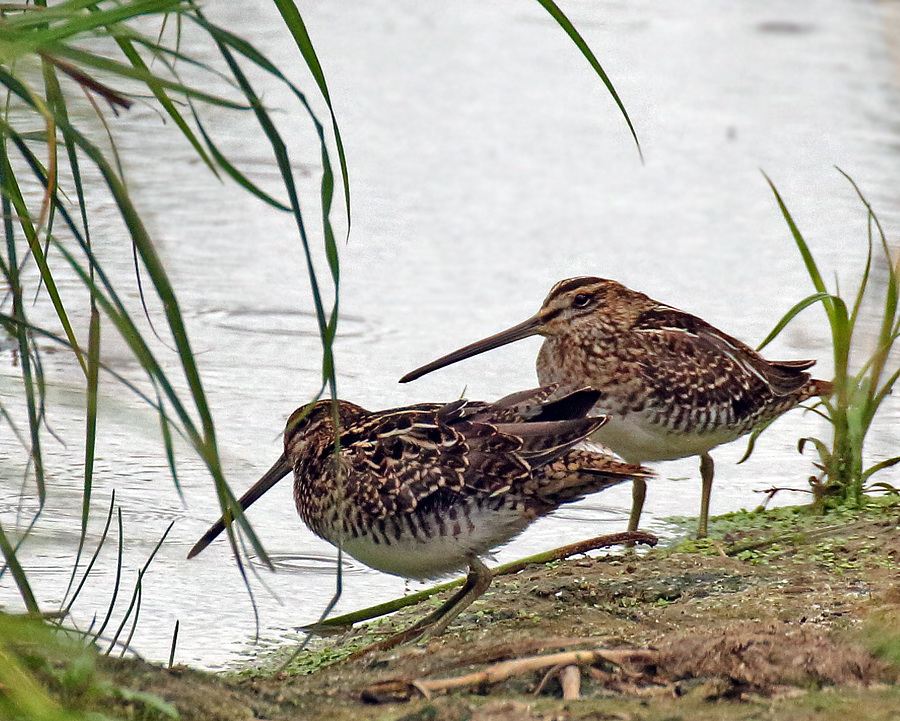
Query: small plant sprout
861,382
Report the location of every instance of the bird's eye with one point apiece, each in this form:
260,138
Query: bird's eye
581,300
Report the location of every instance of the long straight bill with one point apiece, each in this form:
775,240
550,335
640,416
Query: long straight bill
278,471
524,330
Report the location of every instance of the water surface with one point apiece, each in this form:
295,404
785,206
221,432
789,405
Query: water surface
487,162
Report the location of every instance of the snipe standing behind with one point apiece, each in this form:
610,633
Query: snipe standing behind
427,489
672,385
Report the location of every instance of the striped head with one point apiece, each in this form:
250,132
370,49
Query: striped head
589,306
310,429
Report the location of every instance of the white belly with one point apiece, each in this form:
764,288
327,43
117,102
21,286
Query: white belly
637,441
437,555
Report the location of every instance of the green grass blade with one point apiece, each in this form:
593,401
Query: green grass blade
134,604
65,608
159,92
884,391
153,264
116,311
294,22
864,281
18,573
139,590
236,175
93,382
811,268
122,69
564,22
63,20
165,428
881,465
791,314
115,592
90,434
14,194
279,149
751,441
892,291
11,271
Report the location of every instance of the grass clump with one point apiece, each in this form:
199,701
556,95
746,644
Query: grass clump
862,378
47,674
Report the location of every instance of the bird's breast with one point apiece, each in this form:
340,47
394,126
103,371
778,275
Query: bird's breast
427,544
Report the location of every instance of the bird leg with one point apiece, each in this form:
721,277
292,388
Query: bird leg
476,583
638,492
706,475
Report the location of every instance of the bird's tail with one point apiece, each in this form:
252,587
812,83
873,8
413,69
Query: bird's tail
580,473
822,388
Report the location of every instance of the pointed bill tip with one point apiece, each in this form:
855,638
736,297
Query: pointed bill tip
530,327
279,470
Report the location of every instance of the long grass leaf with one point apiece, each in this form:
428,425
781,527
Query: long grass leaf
811,268
90,432
11,187
791,314
115,309
117,583
121,69
65,608
18,573
139,589
294,22
864,280
135,596
90,437
165,428
281,155
564,22
164,290
881,465
12,275
28,33
884,391
236,175
892,291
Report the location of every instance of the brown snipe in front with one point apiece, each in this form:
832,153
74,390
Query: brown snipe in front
428,489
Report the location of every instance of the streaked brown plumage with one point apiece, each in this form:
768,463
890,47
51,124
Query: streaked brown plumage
672,384
427,489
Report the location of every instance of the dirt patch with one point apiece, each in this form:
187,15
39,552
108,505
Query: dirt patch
785,616
764,656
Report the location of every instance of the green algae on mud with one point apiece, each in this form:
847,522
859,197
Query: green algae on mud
801,622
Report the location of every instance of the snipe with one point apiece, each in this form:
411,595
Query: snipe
672,385
428,489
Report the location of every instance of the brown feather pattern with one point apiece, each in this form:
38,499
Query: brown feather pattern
431,456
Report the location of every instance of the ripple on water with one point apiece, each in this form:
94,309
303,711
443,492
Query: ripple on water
590,513
284,322
314,563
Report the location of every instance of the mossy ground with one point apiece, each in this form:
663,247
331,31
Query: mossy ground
782,615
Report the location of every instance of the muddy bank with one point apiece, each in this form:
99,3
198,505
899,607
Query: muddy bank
783,616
